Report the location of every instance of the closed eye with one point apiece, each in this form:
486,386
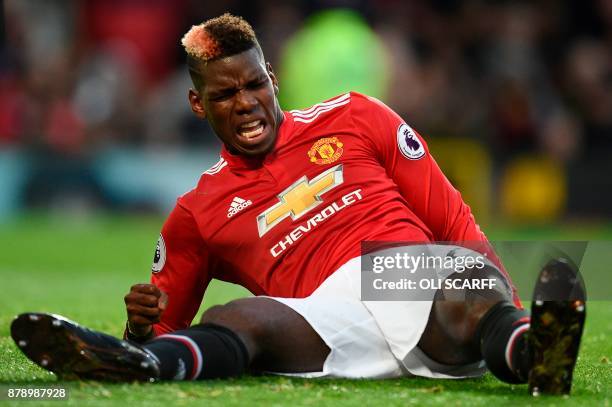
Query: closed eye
258,83
224,95
221,96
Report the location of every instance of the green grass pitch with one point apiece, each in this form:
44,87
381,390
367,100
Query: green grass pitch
82,269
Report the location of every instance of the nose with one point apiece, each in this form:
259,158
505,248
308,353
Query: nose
245,102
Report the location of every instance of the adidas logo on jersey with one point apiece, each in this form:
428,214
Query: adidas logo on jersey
237,205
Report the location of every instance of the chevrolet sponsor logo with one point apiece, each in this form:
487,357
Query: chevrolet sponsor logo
299,198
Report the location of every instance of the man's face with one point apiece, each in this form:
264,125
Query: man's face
238,97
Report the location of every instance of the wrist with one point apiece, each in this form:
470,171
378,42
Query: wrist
138,336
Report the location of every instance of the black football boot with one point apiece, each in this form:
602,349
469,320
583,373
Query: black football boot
74,352
558,313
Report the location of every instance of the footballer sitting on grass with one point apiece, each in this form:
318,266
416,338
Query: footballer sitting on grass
284,213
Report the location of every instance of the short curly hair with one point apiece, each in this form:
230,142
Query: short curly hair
217,38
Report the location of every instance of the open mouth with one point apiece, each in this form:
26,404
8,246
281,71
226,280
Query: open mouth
251,130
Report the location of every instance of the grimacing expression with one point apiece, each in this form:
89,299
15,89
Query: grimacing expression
238,98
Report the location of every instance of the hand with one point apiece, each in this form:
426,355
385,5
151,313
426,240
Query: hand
145,304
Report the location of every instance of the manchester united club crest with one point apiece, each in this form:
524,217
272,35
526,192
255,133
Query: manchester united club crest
325,150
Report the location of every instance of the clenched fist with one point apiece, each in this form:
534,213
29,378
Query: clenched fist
145,304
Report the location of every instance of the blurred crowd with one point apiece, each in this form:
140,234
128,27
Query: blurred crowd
517,76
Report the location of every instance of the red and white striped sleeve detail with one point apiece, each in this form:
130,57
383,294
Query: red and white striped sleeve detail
310,114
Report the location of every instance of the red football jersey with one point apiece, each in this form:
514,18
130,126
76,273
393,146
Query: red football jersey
343,171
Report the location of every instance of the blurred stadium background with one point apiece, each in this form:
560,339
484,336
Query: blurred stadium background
514,97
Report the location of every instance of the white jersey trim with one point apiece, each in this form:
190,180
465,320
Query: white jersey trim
217,167
318,112
309,115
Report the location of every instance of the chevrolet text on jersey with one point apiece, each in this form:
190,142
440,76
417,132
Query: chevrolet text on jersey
327,212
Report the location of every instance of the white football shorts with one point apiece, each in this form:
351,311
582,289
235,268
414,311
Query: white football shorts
372,339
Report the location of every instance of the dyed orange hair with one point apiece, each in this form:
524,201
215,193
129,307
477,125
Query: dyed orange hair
219,37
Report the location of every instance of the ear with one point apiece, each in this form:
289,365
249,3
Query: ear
197,106
273,77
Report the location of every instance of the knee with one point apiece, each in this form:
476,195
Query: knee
238,316
211,314
459,319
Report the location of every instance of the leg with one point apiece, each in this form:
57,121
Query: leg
277,338
251,333
255,333
450,335
489,327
